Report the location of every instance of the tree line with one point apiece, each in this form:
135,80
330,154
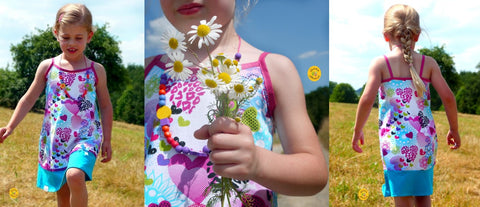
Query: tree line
465,85
125,83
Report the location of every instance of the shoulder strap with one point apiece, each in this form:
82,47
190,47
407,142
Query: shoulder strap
154,62
421,68
49,67
270,94
389,67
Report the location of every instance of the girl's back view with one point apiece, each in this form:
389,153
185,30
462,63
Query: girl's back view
408,139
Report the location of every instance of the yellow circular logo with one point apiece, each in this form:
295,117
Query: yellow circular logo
13,192
314,73
363,194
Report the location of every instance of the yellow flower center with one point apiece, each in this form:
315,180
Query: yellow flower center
215,63
235,62
211,83
178,66
259,81
203,30
239,88
173,43
204,71
228,62
225,77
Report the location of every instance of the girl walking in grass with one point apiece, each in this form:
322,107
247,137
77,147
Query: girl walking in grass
408,138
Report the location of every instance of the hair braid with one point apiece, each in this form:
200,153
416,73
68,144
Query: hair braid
403,23
406,41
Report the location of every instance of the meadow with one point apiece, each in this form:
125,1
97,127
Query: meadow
116,183
456,174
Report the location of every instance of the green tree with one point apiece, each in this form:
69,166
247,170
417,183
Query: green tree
10,86
344,93
447,67
129,106
317,105
331,86
468,96
42,44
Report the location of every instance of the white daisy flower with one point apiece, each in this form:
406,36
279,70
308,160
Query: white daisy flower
211,82
178,69
206,32
238,92
173,41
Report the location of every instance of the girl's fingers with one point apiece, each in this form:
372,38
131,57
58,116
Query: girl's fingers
202,133
224,125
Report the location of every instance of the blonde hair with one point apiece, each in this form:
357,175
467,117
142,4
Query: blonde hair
74,14
402,22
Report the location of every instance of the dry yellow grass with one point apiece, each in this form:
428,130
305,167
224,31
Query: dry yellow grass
117,183
456,175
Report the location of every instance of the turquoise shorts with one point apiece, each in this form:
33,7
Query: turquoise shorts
52,181
408,183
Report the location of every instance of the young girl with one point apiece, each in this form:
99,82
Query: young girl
180,179
407,131
71,135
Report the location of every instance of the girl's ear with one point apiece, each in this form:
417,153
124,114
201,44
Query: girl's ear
90,35
415,38
386,36
55,33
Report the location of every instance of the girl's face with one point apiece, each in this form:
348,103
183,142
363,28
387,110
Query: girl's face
185,13
73,40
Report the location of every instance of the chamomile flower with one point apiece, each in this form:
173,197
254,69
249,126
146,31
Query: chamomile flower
206,32
178,69
211,82
238,92
173,41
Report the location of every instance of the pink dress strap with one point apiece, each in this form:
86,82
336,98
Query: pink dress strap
421,68
48,70
270,93
389,67
155,61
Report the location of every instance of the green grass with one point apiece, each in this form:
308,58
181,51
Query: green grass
116,183
456,175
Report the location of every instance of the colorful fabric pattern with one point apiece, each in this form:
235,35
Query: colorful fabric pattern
71,120
173,179
408,139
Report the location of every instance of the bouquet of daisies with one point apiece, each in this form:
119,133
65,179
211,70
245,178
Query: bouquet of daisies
221,76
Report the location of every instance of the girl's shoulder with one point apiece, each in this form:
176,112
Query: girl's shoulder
44,67
279,64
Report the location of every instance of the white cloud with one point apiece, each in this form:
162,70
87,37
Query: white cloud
312,53
125,18
356,34
157,27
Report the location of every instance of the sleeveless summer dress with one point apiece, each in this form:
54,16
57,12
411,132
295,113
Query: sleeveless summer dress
408,140
71,132
177,179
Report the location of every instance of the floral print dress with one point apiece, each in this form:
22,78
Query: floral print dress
178,179
71,120
408,139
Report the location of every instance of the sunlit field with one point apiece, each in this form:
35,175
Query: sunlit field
456,175
116,183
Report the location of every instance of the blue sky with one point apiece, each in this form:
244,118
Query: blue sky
356,34
125,17
296,29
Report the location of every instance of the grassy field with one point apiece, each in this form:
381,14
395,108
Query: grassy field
117,183
456,175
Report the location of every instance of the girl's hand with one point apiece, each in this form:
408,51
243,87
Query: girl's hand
233,151
357,136
106,151
453,138
4,133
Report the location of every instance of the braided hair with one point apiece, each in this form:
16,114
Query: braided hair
402,22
